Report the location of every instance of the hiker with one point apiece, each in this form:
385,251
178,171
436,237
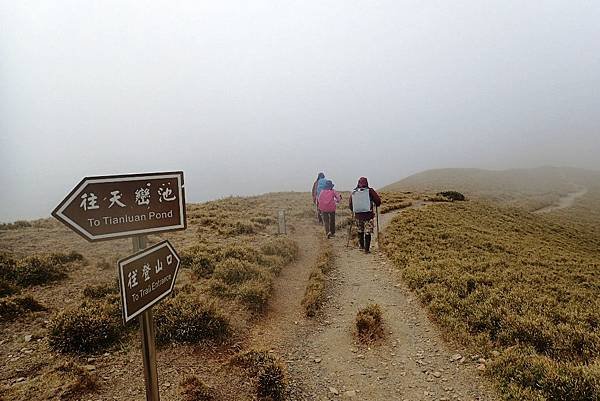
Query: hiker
328,200
316,190
361,203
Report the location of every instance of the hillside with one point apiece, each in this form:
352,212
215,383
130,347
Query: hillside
531,189
520,289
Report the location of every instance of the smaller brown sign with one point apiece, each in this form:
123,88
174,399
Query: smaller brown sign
147,277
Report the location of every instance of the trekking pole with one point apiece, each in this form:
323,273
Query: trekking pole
350,231
377,214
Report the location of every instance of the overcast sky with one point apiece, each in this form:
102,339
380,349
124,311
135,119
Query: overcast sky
254,96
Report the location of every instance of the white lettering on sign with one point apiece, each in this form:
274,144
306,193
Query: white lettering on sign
89,201
116,195
148,289
142,196
165,194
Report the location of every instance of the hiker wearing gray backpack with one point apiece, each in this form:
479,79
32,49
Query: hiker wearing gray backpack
361,203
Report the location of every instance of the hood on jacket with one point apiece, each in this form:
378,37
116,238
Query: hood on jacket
362,183
328,184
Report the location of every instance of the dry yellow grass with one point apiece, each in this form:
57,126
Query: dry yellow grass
502,279
314,296
231,231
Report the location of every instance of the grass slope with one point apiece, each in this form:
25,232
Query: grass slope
528,188
502,279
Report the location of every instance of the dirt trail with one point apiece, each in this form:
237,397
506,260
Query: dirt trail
325,363
564,202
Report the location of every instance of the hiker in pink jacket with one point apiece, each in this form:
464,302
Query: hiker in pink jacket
328,200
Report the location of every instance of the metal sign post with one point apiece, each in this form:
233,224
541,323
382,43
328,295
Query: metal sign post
148,340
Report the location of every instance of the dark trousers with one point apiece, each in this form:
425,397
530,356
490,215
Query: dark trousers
329,222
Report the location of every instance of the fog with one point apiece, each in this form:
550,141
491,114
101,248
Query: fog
249,97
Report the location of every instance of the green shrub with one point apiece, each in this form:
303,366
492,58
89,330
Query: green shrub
15,226
241,252
281,246
11,308
37,270
255,293
185,319
523,371
314,294
7,288
91,327
266,371
7,267
192,388
242,227
78,381
200,259
452,195
235,271
63,258
100,291
369,324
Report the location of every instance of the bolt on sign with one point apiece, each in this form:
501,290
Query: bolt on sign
147,277
109,207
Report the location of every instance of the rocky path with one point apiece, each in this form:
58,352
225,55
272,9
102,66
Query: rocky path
564,202
324,361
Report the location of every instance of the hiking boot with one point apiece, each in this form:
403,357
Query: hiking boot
361,240
367,242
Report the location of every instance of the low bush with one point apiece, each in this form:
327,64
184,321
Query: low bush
314,294
63,258
100,291
452,195
235,271
36,270
192,388
7,288
524,374
395,206
241,227
91,327
281,246
78,381
369,324
15,225
255,293
200,259
266,371
185,319
13,307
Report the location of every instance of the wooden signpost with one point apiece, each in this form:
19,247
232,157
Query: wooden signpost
133,205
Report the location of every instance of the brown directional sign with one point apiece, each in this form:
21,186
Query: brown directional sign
109,207
147,277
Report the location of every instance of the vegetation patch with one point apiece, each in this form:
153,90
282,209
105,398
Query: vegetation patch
192,388
502,278
314,295
35,270
100,291
266,371
452,195
246,274
91,327
13,307
7,288
369,324
186,319
15,225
